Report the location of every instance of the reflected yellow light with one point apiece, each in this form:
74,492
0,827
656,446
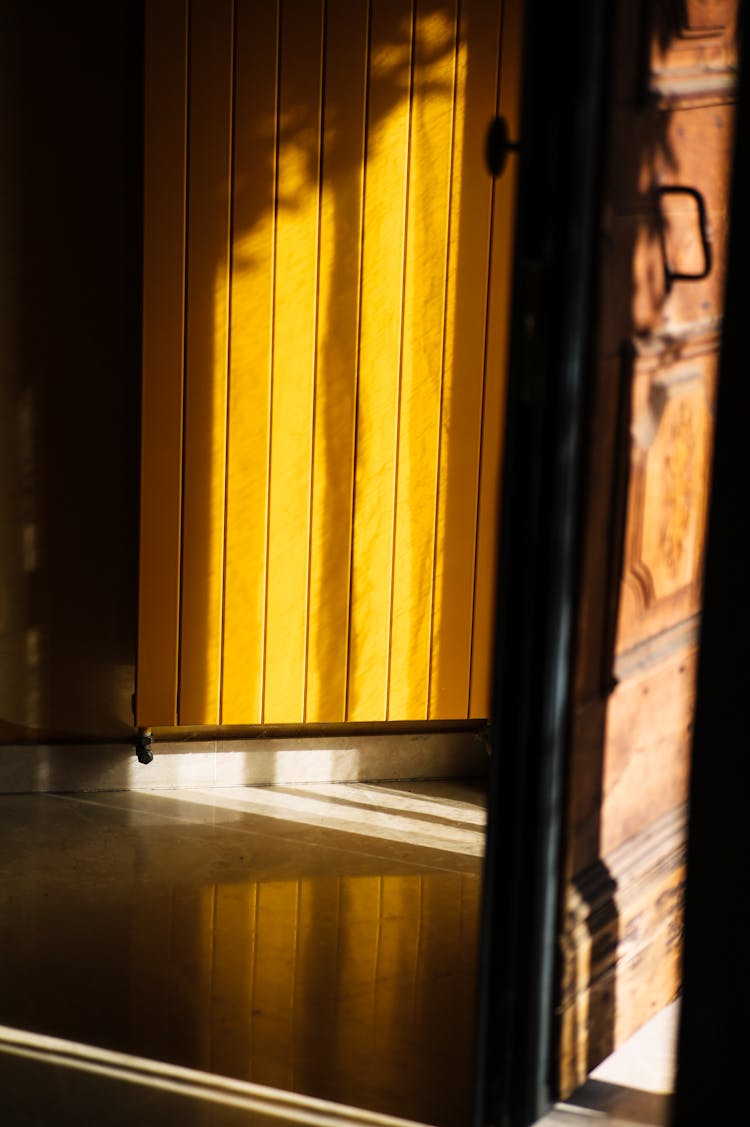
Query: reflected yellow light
242,932
103,1073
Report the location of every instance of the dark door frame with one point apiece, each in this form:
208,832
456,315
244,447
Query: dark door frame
553,315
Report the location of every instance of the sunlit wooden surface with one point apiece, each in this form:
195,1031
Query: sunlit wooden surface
347,288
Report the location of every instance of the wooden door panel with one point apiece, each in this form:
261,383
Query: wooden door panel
346,288
692,54
473,389
337,348
656,224
662,271
671,441
673,144
654,308
164,232
251,318
292,365
383,276
706,17
648,725
206,344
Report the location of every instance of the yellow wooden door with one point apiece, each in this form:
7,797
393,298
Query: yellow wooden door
326,276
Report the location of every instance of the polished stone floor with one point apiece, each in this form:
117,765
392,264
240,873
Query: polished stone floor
320,939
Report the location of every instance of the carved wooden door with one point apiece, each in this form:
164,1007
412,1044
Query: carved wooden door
662,260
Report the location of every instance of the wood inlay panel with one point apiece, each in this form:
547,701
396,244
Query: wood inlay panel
672,435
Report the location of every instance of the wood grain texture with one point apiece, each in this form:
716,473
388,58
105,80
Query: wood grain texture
649,721
679,147
648,485
621,952
671,429
694,60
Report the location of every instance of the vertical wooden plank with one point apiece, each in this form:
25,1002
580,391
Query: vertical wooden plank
466,324
493,415
427,213
380,353
163,337
336,297
336,358
295,317
206,359
251,323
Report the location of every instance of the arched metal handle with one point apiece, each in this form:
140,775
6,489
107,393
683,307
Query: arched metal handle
671,276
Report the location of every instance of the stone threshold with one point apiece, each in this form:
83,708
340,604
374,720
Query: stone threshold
220,762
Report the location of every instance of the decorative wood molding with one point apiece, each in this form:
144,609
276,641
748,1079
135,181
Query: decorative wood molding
654,651
671,434
658,349
620,947
693,62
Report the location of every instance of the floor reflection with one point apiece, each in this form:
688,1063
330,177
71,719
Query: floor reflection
223,932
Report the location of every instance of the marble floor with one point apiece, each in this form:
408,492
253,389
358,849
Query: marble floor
317,939
290,954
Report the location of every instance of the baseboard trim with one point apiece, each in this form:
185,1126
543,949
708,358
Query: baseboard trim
243,762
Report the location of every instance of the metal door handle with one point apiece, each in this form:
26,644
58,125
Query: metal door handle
671,276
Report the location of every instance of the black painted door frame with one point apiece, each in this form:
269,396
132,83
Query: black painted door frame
560,154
